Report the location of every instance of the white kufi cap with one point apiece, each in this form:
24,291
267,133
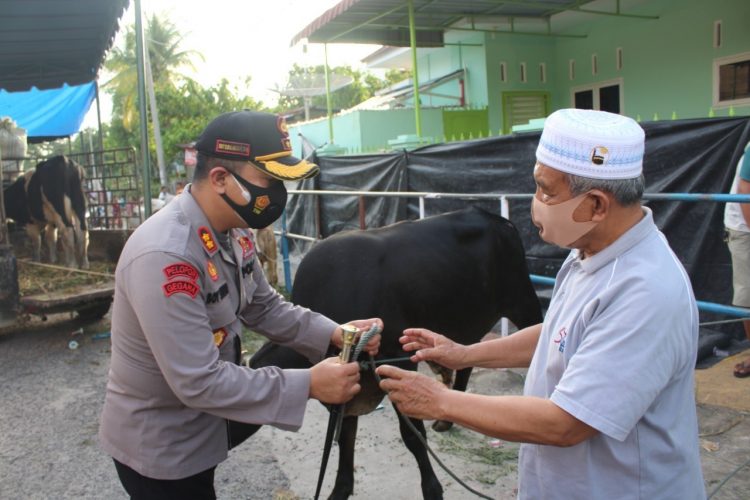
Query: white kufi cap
593,144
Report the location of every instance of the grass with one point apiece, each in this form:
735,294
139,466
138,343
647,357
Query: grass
475,447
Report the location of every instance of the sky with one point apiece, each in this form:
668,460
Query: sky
240,38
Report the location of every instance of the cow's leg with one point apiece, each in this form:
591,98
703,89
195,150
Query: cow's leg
34,232
82,246
462,381
344,485
431,488
69,242
50,237
273,277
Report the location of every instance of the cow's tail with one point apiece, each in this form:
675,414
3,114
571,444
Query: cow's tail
75,188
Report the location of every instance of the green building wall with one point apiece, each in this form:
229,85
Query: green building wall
368,131
667,63
667,71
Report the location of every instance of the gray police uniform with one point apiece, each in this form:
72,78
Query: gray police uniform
180,299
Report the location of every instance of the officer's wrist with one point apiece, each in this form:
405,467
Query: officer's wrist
337,338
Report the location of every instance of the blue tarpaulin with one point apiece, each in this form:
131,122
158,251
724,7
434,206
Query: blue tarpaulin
49,113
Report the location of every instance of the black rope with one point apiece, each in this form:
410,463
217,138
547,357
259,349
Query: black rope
724,481
422,440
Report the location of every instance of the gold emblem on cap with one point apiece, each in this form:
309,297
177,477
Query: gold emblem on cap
281,124
302,170
599,155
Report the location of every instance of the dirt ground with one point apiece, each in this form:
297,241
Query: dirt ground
51,398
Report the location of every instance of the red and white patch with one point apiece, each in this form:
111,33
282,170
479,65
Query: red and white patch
207,239
180,269
213,273
247,246
232,148
180,286
220,336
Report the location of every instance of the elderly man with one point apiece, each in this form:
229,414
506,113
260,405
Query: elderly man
608,408
187,281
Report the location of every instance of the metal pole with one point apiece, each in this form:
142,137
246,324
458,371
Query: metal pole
362,224
415,77
142,109
98,116
3,225
505,212
329,103
285,254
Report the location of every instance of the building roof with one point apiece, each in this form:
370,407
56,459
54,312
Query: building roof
386,22
47,43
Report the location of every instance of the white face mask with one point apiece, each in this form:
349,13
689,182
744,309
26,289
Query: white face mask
556,224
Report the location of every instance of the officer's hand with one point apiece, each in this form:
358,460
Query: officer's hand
332,382
364,326
431,346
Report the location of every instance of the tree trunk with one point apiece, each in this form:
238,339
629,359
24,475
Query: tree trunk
155,122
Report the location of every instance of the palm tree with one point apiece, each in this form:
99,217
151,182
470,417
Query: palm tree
164,58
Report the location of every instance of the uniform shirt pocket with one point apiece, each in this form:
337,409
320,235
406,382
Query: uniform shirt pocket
219,306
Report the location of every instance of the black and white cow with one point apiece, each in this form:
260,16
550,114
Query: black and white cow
49,200
456,273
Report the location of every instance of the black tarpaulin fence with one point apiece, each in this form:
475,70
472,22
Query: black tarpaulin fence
682,156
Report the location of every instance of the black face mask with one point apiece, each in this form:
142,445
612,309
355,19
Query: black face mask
264,206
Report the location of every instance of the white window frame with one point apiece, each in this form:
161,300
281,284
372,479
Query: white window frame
594,87
721,61
543,72
594,65
524,77
618,58
503,72
571,69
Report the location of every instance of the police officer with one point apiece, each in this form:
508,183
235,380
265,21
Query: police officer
186,282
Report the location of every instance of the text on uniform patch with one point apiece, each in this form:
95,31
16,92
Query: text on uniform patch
180,269
180,286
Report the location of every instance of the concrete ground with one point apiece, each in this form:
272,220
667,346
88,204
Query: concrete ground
51,397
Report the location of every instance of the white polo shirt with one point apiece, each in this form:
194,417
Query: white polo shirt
617,351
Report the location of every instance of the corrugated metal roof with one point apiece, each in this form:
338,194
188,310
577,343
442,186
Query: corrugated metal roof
386,22
46,43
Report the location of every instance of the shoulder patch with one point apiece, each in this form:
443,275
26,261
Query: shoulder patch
180,286
247,246
207,239
213,273
220,336
180,269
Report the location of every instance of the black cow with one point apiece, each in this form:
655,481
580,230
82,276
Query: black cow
50,199
456,273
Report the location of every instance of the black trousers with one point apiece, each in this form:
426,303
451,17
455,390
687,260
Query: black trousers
197,487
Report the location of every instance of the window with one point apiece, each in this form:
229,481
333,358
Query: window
543,72
503,72
618,58
594,65
732,80
604,96
717,34
523,72
572,69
